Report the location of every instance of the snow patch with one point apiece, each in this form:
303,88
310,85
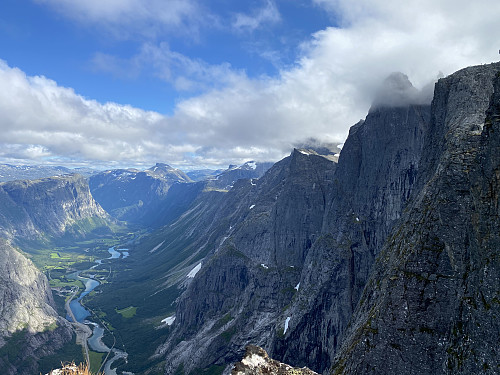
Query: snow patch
194,271
357,219
252,164
305,152
286,324
252,206
156,247
297,287
252,183
168,321
264,266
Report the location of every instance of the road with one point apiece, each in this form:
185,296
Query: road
83,332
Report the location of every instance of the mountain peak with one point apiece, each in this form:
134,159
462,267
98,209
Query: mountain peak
397,91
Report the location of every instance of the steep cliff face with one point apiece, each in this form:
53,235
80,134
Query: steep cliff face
375,177
29,325
297,249
133,195
262,231
431,304
49,207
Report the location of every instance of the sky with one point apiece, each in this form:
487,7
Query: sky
204,84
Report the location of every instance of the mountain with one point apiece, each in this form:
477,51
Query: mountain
33,172
293,250
33,212
226,179
203,174
431,304
29,325
49,208
133,195
382,259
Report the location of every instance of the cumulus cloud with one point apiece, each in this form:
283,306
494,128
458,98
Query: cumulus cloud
331,87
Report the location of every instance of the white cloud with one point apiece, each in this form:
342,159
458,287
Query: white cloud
238,118
183,72
128,17
269,13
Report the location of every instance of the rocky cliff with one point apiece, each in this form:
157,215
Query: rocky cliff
49,207
431,304
29,326
298,247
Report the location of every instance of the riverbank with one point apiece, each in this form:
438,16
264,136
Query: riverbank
83,332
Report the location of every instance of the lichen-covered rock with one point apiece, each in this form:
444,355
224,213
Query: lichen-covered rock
257,362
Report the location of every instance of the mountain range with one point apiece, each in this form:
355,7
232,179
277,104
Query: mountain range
380,260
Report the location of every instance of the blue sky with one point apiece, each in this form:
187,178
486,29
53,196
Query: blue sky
96,57
207,83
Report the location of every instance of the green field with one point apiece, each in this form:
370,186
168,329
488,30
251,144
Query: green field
127,312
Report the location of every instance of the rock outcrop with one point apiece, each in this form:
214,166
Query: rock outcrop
257,362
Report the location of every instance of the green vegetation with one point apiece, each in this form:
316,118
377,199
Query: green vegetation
95,361
127,312
228,334
14,345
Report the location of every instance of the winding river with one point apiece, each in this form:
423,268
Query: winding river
81,313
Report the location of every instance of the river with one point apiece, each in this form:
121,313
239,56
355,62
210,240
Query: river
81,313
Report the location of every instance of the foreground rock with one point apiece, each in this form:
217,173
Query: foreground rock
257,362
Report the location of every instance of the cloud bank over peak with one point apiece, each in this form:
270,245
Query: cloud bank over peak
236,118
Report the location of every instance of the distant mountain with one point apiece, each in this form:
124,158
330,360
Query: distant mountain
49,208
33,172
225,180
133,195
203,174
